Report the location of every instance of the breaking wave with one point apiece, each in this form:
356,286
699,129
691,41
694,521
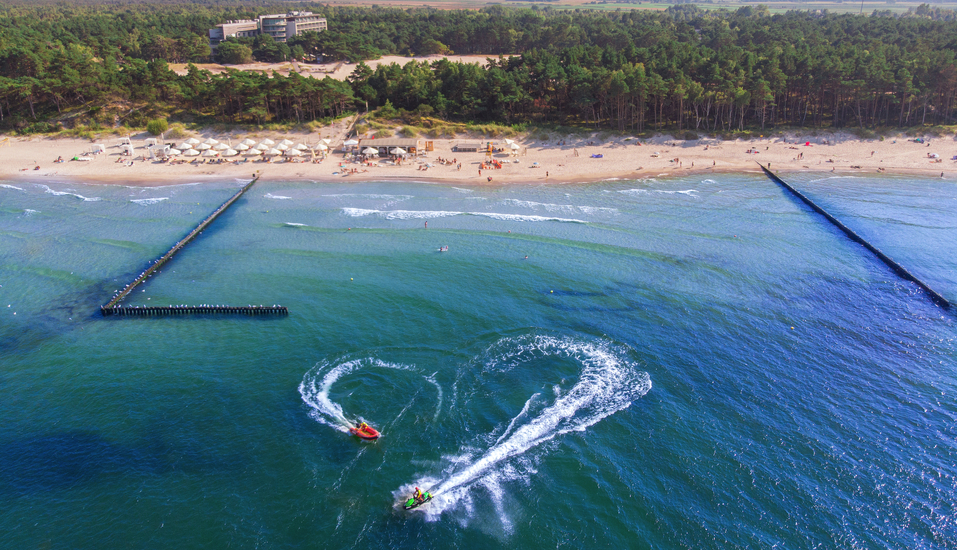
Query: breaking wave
147,202
61,193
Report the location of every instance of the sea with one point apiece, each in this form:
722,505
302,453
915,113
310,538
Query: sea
673,362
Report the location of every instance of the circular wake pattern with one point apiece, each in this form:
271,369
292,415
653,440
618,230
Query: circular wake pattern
607,381
316,384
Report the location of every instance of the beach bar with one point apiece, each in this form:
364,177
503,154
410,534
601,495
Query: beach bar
385,146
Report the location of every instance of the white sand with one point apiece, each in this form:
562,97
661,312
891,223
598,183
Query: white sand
622,158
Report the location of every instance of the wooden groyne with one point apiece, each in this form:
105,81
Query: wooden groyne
896,267
119,296
165,311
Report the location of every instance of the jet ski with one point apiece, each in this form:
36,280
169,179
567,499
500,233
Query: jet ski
364,431
412,503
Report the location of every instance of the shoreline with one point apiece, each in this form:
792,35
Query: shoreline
551,161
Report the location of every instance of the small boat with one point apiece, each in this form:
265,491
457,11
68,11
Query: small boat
412,503
365,431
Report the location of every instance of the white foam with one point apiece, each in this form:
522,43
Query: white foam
558,207
609,382
27,212
8,186
61,193
277,197
294,224
316,384
709,182
524,218
438,399
430,214
371,196
147,202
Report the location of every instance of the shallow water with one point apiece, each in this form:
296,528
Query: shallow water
677,363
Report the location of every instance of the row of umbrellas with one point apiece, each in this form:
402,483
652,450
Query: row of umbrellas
192,147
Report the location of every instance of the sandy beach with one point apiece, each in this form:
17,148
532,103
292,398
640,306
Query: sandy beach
569,159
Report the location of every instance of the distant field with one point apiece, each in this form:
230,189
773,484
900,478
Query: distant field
774,7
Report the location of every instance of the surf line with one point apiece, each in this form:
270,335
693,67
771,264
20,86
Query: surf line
896,267
110,308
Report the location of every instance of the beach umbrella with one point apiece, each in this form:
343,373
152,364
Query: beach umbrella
210,153
293,153
191,153
203,147
322,147
253,152
327,141
211,141
282,147
399,151
268,142
192,141
174,152
248,142
230,153
370,151
262,146
242,147
185,145
285,142
509,142
350,142
272,152
221,147
300,146
515,146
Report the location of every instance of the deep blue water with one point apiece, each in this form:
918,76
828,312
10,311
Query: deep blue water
678,363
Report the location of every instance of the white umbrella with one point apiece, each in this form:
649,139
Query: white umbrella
509,142
515,146
191,153
300,146
230,153
293,153
248,142
350,142
262,146
242,147
211,141
322,147
285,142
272,152
185,145
253,152
399,151
282,147
370,151
327,141
268,142
192,141
174,152
210,153
203,147
221,147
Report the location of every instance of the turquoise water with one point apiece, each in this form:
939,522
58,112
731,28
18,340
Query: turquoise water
678,363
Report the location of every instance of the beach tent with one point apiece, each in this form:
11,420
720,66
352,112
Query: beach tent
221,147
128,149
253,152
293,153
248,142
210,153
203,147
242,147
272,152
192,141
191,153
98,148
230,153
211,141
125,141
185,145
300,147
285,142
262,146
150,142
